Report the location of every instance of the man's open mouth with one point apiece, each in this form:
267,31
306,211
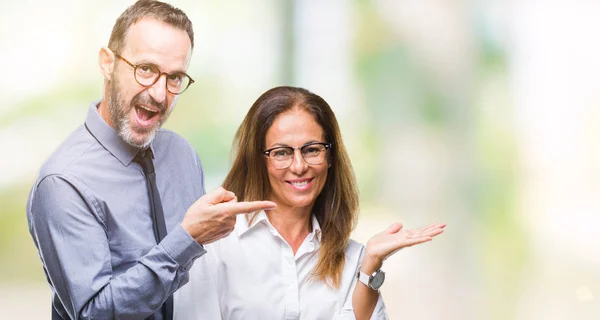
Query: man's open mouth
145,115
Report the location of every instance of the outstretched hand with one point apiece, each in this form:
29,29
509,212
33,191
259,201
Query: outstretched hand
384,244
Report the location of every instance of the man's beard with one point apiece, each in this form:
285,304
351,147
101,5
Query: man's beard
119,114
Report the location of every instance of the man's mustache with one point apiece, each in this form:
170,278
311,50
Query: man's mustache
145,99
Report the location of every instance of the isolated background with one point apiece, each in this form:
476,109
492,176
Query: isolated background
482,114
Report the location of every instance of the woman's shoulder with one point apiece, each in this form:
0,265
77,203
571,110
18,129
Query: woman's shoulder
354,249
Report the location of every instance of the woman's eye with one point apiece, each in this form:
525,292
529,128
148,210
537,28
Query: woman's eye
312,150
282,153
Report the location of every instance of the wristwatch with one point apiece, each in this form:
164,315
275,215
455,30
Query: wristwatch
373,281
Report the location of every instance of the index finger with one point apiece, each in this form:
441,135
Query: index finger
245,206
217,196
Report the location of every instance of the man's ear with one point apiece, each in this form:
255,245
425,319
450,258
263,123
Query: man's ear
106,60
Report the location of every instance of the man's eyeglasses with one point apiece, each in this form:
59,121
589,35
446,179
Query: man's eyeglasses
312,153
147,75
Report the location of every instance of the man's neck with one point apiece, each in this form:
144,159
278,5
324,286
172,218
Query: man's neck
105,112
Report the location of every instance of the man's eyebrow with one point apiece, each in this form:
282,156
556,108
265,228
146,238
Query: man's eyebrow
148,63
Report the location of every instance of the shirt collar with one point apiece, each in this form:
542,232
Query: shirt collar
107,136
260,218
243,225
316,229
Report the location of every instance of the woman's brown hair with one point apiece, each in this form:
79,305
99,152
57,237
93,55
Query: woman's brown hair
336,207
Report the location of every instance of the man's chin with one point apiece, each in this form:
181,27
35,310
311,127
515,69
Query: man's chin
140,143
138,139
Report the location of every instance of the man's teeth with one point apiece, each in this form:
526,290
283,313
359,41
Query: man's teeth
143,107
300,184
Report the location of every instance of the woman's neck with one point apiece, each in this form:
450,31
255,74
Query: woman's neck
293,224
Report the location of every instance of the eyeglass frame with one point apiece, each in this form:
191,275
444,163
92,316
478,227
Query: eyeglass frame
160,73
327,146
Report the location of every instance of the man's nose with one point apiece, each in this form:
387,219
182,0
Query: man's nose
158,90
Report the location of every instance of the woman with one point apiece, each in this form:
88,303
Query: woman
297,260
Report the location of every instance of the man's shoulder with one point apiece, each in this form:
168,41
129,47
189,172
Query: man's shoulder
166,136
70,152
176,144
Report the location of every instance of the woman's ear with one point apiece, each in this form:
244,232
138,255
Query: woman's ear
106,60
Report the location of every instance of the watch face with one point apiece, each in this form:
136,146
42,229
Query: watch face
377,280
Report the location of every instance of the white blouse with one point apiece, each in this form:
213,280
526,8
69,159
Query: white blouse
253,274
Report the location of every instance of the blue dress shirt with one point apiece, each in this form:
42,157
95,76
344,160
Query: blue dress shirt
89,216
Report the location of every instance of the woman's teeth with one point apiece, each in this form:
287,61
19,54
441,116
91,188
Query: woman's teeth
300,184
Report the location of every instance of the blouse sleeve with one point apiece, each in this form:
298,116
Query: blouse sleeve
353,258
198,299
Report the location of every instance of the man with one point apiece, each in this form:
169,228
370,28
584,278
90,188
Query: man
96,210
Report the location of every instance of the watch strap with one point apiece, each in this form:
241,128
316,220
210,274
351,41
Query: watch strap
363,277
366,279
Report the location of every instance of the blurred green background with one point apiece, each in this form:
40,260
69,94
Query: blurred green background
481,114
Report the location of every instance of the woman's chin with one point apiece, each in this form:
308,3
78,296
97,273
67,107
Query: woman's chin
301,203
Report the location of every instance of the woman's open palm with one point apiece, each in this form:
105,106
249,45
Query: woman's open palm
394,238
